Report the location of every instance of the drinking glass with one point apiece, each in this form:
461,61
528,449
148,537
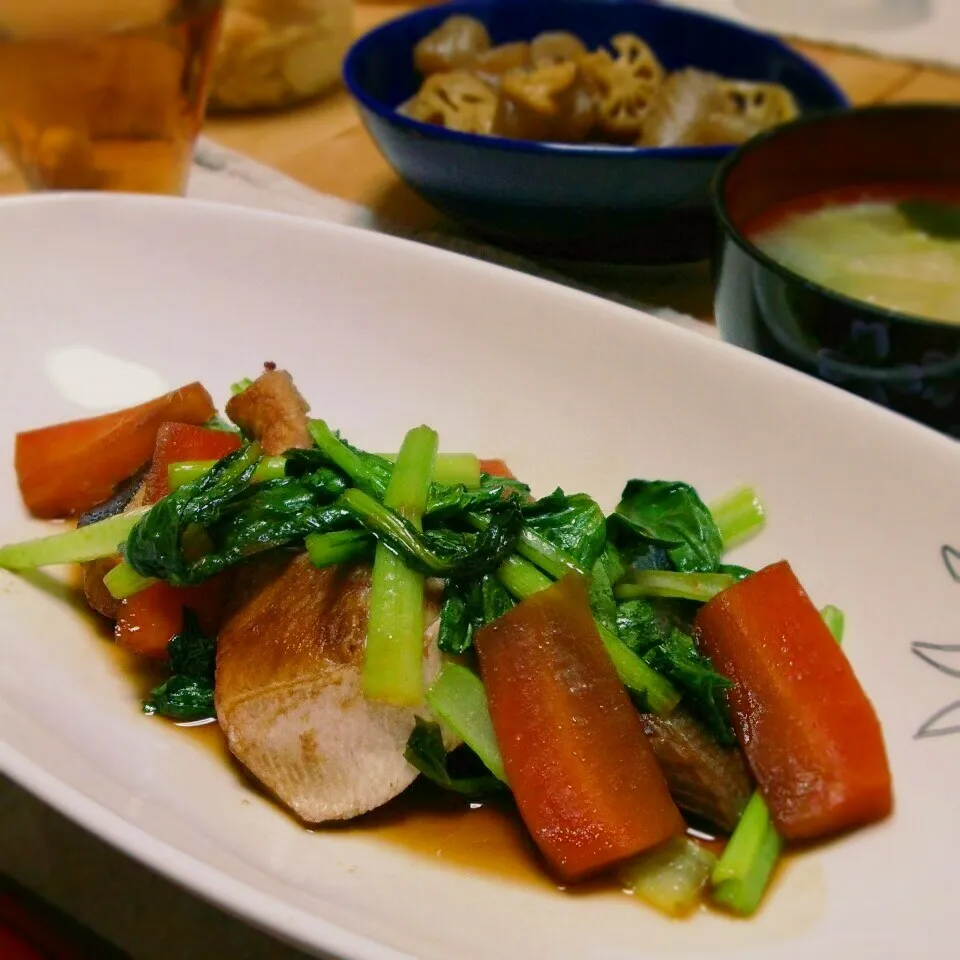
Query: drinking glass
104,94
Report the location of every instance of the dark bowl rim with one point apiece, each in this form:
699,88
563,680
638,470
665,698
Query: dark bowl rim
391,115
730,229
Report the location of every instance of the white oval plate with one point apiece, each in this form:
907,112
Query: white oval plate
105,299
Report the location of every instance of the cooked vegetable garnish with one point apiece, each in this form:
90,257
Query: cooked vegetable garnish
393,664
670,583
269,468
741,875
71,467
808,730
426,752
834,619
671,877
580,766
97,540
188,694
457,697
450,469
738,516
355,620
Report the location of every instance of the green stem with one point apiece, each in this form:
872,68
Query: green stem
269,468
743,872
451,469
458,698
672,583
96,540
393,662
348,460
522,579
834,619
341,546
739,515
123,581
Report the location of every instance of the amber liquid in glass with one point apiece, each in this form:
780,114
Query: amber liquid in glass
115,110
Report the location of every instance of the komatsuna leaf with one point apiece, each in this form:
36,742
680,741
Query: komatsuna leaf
426,752
574,523
188,693
671,514
705,690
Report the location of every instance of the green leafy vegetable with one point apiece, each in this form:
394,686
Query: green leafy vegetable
743,872
393,656
676,657
339,546
734,570
574,524
738,516
188,693
238,518
671,876
934,218
834,619
458,698
638,625
440,553
426,752
91,542
671,514
468,606
673,583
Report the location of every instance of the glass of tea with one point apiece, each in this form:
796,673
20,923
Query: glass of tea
104,94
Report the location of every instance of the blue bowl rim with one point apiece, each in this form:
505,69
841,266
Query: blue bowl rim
487,141
870,311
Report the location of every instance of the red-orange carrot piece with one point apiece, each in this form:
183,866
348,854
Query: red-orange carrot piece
149,620
807,728
177,442
65,469
496,468
578,762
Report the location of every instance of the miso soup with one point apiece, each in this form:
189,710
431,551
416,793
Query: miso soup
900,252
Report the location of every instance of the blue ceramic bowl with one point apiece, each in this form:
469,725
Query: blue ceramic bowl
596,202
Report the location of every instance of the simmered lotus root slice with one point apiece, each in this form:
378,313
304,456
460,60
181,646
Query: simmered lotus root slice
455,100
695,108
454,44
491,65
556,46
761,105
624,86
549,103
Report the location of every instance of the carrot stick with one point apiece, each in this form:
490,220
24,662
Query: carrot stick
808,730
580,766
65,469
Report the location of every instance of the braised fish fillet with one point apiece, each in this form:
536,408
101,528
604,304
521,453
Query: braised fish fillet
272,411
289,693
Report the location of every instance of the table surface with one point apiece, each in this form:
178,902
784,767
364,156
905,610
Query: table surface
323,145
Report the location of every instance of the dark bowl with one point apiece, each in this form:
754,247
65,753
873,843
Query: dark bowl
619,204
906,363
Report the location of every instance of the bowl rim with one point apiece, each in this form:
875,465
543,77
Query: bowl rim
488,141
729,163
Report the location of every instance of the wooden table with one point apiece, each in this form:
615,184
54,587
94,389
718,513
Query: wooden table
324,145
